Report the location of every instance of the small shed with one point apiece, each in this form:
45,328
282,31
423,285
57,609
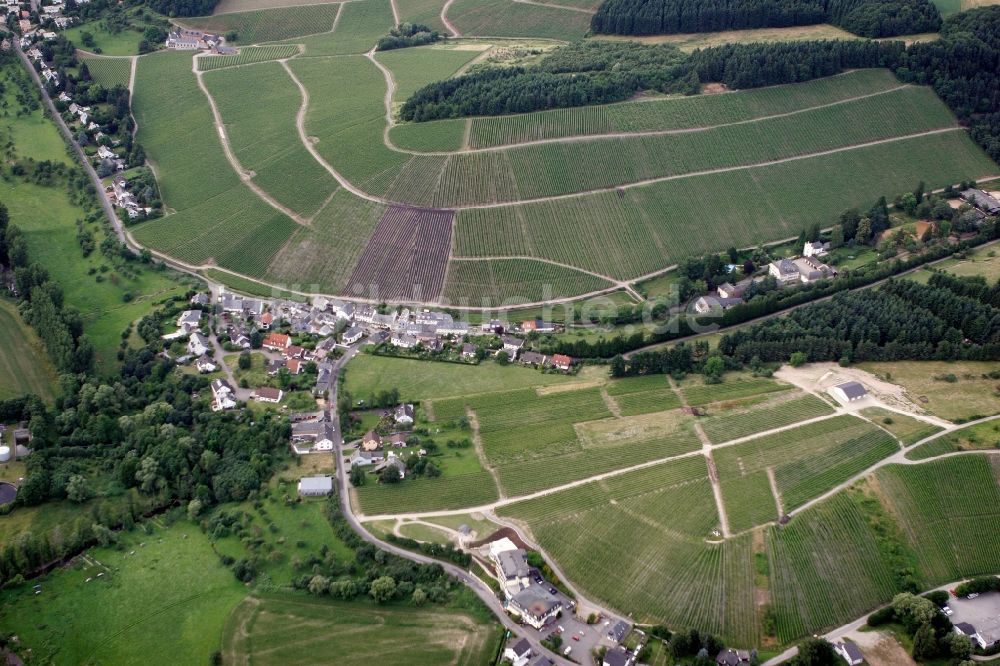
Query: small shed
849,391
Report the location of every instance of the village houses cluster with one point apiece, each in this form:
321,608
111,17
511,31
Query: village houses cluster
50,18
183,39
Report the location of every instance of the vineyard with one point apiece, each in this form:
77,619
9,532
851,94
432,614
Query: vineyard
623,541
506,18
825,569
269,25
406,256
643,395
414,68
247,56
775,413
629,233
436,136
359,27
805,461
110,72
257,107
425,12
949,512
674,113
499,281
445,492
733,387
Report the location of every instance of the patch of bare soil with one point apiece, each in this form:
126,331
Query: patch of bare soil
818,377
713,88
881,649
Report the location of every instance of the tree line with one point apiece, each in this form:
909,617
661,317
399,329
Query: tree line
405,35
183,7
868,18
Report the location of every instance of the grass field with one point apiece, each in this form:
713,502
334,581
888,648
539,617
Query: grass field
505,18
805,461
423,380
24,365
938,505
110,72
248,56
906,428
122,43
979,261
162,599
262,134
971,395
253,27
293,629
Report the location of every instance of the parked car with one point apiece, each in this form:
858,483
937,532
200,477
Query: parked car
973,595
569,648
553,590
947,610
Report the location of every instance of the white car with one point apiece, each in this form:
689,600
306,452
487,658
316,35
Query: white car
973,595
947,610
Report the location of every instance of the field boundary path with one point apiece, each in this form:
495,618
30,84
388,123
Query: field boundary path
444,19
590,12
477,442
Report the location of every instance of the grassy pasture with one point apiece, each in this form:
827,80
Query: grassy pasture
640,230
500,281
258,108
939,505
110,72
423,380
278,23
623,541
908,429
247,56
979,261
971,395
505,18
294,628
806,461
24,364
668,113
162,599
124,42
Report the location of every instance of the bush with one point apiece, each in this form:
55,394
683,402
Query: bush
881,616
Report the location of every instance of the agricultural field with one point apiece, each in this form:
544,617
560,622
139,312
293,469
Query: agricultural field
426,12
733,387
825,568
406,256
501,281
462,483
230,6
959,391
247,56
907,429
430,137
643,395
506,18
658,114
982,436
110,72
271,25
163,598
805,462
360,25
24,365
742,420
636,231
294,628
622,541
938,505
263,135
415,68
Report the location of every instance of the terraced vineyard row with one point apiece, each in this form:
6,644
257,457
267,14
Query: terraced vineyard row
361,24
248,55
826,569
731,388
630,233
506,18
759,418
110,72
494,282
676,113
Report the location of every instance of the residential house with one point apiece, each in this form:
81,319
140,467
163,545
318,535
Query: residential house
731,657
378,337
185,40
536,606
709,303
204,365
812,269
967,629
537,326
315,486
617,656
404,414
392,465
224,397
278,342
325,348
784,271
532,358
105,153
268,394
189,319
312,436
987,203
562,362
512,570
239,339
519,653
295,365
404,341
371,441
468,350
352,335
266,320
512,345
294,351
850,652
729,290
324,379
618,631
198,344
232,303
397,440
365,458
203,300
815,249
